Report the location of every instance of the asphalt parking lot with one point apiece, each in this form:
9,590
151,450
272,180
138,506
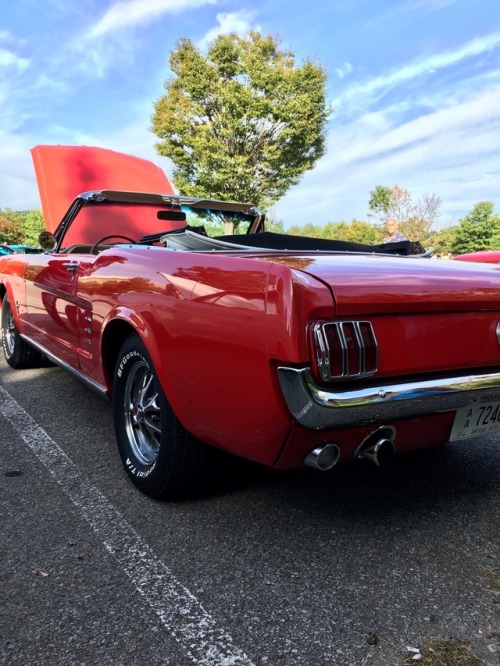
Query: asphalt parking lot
346,568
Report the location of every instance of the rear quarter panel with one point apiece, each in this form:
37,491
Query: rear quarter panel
215,327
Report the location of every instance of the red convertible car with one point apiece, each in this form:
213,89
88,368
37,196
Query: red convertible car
483,256
209,334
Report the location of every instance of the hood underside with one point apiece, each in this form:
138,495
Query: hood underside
64,172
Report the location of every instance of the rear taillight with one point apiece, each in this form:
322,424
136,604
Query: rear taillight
345,349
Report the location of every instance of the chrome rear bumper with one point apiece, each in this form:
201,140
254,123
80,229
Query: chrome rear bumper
318,408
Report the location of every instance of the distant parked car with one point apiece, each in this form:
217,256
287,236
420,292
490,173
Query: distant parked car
483,256
24,249
5,249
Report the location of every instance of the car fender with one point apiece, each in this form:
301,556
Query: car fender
118,324
6,290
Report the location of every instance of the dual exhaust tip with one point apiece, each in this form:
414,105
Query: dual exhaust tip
378,448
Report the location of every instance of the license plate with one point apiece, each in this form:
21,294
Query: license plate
480,417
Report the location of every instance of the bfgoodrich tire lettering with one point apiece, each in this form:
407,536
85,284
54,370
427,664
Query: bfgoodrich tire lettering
17,352
161,458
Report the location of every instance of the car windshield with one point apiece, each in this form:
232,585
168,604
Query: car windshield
218,222
143,222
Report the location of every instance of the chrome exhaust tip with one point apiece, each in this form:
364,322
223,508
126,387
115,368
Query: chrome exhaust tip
378,448
323,457
380,453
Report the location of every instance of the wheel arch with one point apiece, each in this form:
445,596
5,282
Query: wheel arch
6,292
113,338
115,332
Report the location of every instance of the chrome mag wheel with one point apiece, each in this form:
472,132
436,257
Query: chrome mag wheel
142,413
9,332
17,352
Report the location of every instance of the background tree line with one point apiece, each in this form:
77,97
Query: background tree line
21,228
244,121
478,230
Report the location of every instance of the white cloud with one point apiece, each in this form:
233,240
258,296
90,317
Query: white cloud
9,59
451,152
238,22
108,42
343,70
129,13
359,92
56,85
448,147
372,136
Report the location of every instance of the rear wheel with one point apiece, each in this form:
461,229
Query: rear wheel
17,352
161,458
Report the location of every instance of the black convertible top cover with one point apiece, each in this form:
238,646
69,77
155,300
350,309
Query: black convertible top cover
272,241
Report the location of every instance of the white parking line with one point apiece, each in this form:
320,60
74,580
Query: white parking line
179,610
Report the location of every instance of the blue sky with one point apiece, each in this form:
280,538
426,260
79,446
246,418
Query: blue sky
414,86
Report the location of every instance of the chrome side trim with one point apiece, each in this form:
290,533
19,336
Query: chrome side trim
98,388
319,408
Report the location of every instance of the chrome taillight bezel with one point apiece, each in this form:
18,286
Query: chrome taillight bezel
354,352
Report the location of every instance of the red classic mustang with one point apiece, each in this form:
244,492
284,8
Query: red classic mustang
283,350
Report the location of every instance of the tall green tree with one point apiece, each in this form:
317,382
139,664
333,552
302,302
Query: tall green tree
479,230
380,201
243,122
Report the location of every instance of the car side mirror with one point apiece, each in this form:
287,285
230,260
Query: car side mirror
47,241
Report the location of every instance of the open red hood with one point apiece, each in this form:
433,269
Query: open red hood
63,172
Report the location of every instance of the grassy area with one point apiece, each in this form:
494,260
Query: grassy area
493,576
440,652
443,653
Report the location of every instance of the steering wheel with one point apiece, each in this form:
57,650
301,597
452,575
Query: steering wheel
93,249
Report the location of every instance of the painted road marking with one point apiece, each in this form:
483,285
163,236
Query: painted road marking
179,611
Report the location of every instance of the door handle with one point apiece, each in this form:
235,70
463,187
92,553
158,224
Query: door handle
71,266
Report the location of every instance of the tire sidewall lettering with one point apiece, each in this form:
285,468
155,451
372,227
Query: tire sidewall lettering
138,473
126,358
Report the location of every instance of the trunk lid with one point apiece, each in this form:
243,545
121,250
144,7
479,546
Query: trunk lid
369,284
